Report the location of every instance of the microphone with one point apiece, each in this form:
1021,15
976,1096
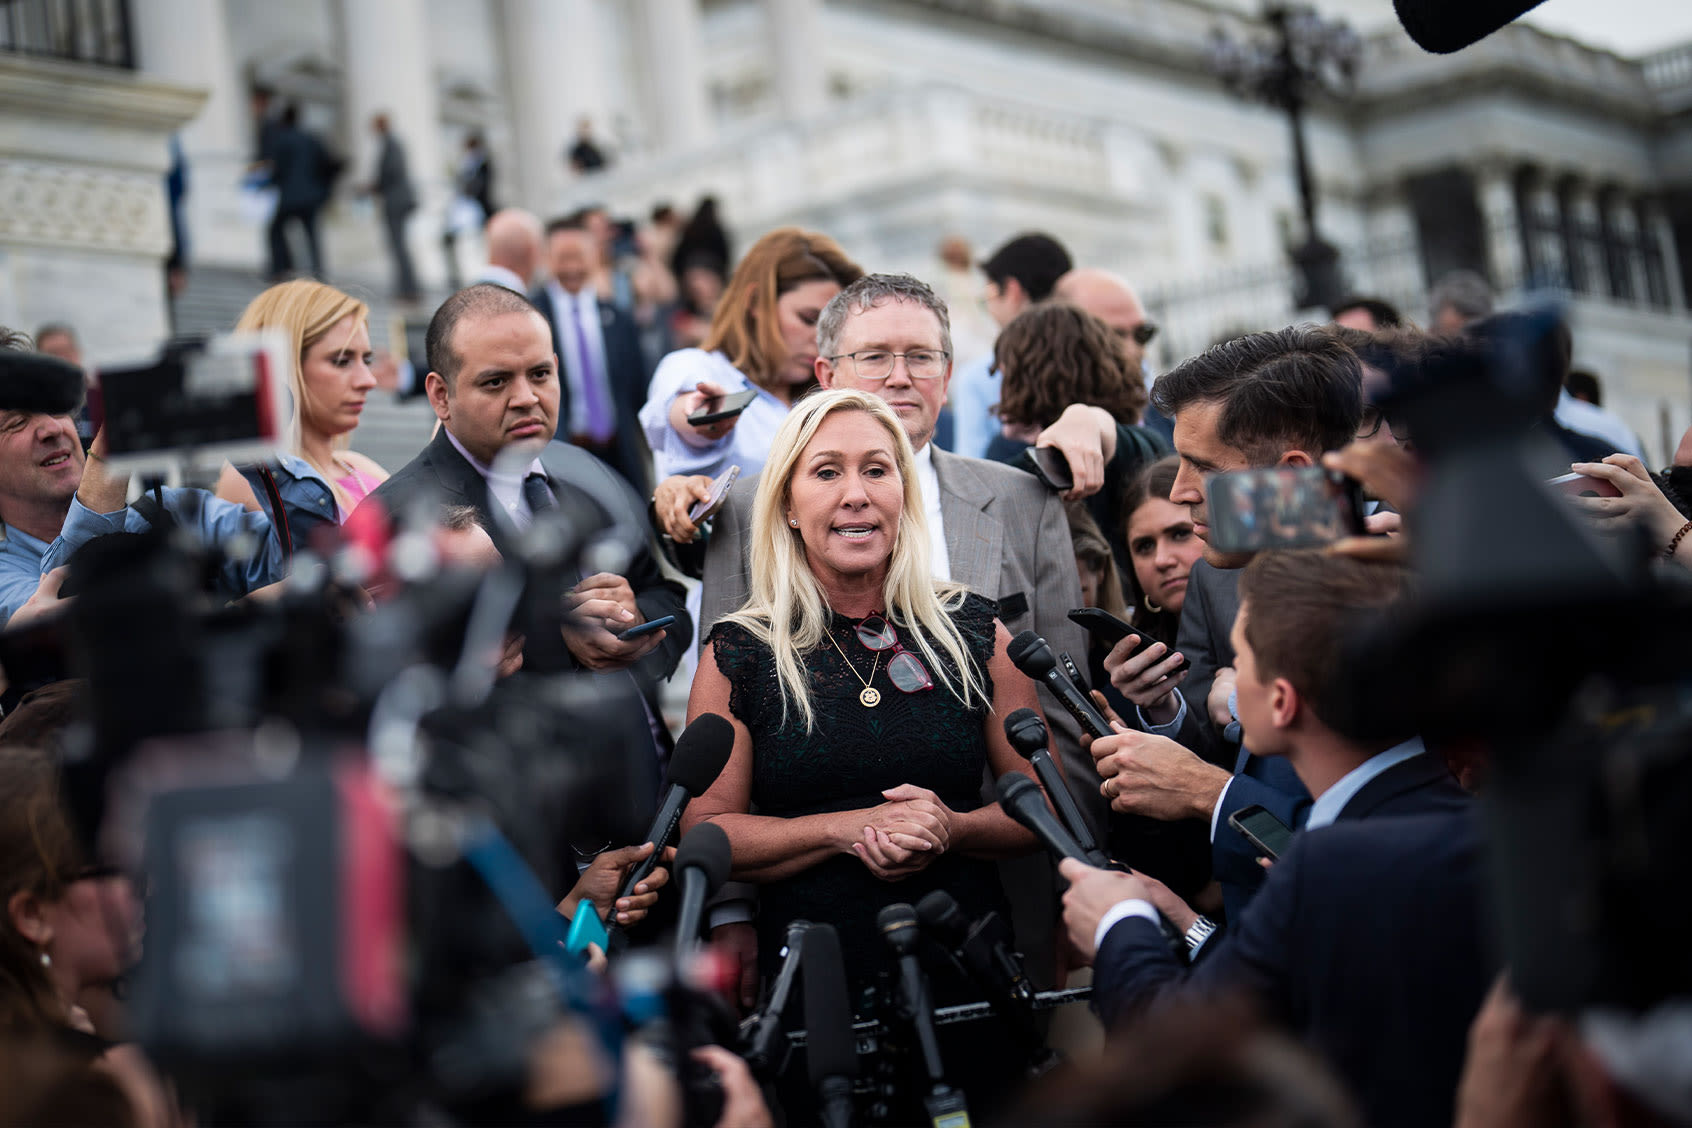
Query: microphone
703,862
1444,26
1027,734
761,1034
1029,653
983,949
698,760
1023,801
830,1046
898,924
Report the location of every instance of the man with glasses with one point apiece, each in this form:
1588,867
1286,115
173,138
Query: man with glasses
992,527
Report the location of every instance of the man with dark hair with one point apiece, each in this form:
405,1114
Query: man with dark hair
493,382
1280,398
1368,314
598,347
1539,352
1352,926
1020,273
1580,408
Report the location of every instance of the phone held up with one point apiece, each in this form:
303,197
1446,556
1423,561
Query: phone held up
1052,468
1283,507
1111,630
719,408
704,510
1267,834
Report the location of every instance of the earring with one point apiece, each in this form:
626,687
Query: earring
46,960
792,522
1150,606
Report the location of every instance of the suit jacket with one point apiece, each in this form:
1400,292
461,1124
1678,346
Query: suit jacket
1207,619
440,475
1006,538
625,371
1367,940
1420,785
393,182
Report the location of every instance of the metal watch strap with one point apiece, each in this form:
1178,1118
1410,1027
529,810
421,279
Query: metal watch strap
1199,932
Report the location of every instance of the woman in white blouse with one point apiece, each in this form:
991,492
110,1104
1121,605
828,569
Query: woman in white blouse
763,337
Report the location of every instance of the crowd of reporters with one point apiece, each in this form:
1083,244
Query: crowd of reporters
854,676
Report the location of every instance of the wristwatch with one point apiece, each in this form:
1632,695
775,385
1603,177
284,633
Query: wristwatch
1199,932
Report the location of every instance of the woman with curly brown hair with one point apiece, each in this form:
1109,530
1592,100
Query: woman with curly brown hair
1055,355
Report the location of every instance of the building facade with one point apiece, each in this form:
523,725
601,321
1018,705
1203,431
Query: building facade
1535,160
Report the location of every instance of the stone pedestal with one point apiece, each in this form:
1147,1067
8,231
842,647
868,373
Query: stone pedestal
84,233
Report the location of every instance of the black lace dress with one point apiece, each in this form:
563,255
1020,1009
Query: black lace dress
853,753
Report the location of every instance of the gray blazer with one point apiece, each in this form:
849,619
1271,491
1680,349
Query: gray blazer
1007,539
393,182
1207,624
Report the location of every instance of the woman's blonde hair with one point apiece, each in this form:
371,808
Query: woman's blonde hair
745,327
304,311
788,610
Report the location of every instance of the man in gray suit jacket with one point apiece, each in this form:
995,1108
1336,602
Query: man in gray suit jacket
994,528
399,199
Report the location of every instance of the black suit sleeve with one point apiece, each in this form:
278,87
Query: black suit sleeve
1134,969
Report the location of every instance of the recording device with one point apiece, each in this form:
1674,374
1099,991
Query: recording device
1268,835
1030,654
718,408
40,383
703,861
1584,485
763,1036
944,1105
706,509
586,928
1027,734
830,1048
1445,26
200,403
1098,621
1051,468
701,752
1024,801
641,630
1282,507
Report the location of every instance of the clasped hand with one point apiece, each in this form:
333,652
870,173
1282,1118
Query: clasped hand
904,834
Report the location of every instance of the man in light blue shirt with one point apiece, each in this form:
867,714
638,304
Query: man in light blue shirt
1020,273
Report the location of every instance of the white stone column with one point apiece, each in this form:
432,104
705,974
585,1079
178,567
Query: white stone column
554,53
1657,227
386,69
673,53
796,45
1581,214
1496,189
187,42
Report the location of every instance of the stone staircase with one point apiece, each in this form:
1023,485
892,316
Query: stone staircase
392,430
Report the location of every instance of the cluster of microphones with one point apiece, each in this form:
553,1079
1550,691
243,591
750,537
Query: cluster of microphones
806,1003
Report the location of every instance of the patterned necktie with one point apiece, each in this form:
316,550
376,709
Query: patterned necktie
600,426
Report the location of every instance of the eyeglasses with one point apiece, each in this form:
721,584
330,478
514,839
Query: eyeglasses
905,669
1143,333
877,364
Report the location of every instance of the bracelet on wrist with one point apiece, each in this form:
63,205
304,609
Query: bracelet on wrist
1674,543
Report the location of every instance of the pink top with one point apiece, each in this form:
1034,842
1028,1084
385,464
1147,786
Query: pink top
356,486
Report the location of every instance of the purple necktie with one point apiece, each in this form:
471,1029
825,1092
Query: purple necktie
600,426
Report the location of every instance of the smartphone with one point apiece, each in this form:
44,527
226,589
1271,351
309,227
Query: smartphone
1267,834
1581,485
723,407
646,628
585,928
1052,468
1095,620
719,490
1283,507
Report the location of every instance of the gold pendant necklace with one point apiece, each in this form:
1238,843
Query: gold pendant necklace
870,696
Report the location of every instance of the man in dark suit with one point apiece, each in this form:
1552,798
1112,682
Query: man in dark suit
493,383
392,184
598,346
1298,611
1264,399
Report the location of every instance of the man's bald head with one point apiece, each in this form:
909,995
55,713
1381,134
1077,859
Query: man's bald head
516,241
1108,298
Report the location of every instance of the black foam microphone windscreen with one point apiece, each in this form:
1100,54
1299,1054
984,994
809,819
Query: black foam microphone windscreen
830,1048
1444,26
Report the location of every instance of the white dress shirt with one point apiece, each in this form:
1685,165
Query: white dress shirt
506,489
929,482
586,308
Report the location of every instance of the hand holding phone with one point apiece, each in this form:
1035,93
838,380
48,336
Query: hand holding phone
1052,468
720,408
641,630
1584,485
1267,834
703,510
1282,507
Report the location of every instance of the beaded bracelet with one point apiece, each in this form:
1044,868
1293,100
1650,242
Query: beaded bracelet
1668,553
